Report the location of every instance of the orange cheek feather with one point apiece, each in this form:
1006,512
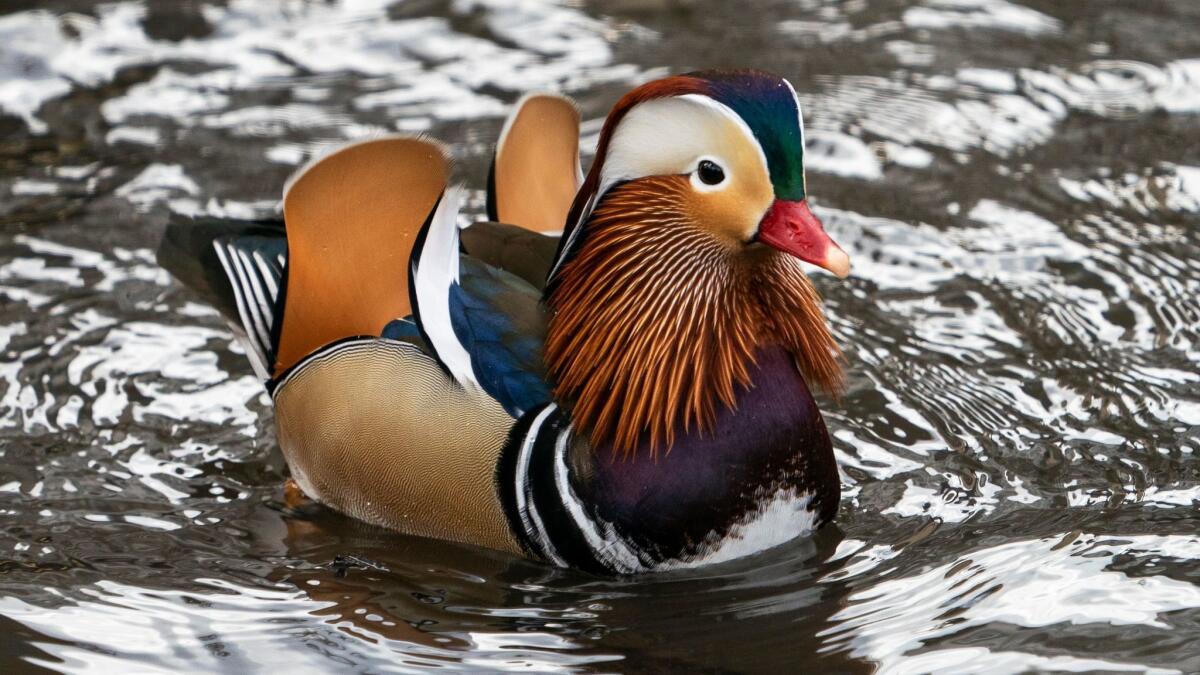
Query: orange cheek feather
733,213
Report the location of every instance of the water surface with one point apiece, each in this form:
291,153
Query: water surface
1018,184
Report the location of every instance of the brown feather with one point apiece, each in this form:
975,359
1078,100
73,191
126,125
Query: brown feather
537,164
655,321
350,233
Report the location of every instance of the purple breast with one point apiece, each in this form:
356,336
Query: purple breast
775,439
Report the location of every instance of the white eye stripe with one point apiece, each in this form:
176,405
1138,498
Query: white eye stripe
671,136
729,114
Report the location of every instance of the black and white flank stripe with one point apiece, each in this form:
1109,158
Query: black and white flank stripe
542,505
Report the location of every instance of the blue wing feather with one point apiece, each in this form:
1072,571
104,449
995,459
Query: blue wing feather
499,320
484,325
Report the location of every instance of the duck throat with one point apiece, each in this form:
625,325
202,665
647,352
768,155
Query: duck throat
655,322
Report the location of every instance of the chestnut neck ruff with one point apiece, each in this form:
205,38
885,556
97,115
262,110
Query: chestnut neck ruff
654,322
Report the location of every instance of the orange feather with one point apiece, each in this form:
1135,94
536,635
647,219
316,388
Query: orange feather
655,321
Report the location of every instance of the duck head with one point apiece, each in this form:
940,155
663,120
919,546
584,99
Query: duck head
680,260
737,139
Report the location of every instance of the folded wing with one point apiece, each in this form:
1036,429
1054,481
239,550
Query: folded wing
373,248
486,326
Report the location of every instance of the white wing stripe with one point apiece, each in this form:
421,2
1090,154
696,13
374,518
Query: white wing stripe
435,270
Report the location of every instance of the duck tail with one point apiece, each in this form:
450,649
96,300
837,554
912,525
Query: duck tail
237,267
256,268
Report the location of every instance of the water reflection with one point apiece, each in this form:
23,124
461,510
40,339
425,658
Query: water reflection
1064,580
1015,180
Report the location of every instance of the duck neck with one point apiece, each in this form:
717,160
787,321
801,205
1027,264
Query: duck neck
655,324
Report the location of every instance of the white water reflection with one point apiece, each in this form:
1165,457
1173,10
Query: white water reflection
1169,188
1029,584
242,628
418,66
982,661
999,111
988,14
26,79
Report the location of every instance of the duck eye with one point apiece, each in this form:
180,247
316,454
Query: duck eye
710,173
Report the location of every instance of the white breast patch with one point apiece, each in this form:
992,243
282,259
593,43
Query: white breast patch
777,520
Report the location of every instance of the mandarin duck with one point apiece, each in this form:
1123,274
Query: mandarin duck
612,373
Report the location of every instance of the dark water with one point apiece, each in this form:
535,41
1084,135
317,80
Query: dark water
1018,184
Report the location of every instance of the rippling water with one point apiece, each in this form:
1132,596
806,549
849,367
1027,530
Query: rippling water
1018,184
